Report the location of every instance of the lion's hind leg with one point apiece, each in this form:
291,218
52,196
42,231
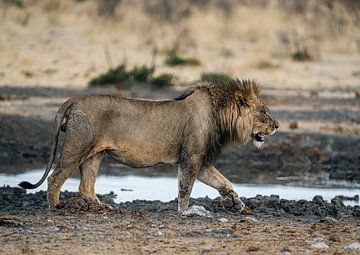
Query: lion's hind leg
77,145
88,171
212,177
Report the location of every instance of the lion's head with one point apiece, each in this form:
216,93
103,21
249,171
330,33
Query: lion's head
242,115
264,123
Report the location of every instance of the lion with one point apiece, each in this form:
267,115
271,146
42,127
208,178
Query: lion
189,131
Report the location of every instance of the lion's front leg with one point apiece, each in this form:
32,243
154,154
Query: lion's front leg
187,173
229,198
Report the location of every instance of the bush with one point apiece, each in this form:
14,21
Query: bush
17,3
142,73
119,75
163,80
215,77
113,76
266,65
174,60
301,55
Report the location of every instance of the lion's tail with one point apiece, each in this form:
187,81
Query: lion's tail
60,116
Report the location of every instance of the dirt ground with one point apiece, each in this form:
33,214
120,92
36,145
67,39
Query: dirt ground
50,49
270,226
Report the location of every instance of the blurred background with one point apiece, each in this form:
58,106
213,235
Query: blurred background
304,54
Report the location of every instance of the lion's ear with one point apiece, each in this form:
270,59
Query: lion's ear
244,98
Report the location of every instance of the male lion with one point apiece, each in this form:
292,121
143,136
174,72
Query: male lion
189,130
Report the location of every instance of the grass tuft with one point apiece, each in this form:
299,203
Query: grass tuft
142,73
163,80
214,77
115,76
301,55
175,60
266,65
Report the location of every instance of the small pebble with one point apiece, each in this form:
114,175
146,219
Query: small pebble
159,233
223,220
248,219
319,246
352,246
206,248
153,225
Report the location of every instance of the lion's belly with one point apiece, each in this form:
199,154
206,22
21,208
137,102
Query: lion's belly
138,156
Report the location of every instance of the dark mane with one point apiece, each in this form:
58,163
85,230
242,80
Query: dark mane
184,95
226,113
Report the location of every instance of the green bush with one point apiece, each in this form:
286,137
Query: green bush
113,76
17,3
163,80
174,60
214,77
301,55
142,73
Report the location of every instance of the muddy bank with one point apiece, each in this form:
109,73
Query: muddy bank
16,199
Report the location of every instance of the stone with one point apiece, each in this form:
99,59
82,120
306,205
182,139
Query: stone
319,246
196,210
352,246
223,220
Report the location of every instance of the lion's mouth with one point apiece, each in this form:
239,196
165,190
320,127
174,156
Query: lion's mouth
259,137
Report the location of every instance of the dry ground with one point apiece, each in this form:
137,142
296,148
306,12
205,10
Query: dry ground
42,232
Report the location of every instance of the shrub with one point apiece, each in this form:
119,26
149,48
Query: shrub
163,80
301,55
113,76
266,65
142,73
215,77
17,3
175,60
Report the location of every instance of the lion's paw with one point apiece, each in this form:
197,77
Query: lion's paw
231,201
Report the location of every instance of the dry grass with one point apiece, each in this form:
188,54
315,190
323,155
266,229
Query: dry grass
70,36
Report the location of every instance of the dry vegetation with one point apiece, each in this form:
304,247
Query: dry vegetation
80,39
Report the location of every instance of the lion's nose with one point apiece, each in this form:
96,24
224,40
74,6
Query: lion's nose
277,125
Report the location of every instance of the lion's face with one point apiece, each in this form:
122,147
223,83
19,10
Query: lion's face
264,123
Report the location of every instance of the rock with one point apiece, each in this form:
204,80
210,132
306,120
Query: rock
329,219
196,210
318,200
335,238
206,248
153,225
158,233
249,219
319,246
221,231
223,220
352,246
285,253
253,248
212,232
356,211
337,202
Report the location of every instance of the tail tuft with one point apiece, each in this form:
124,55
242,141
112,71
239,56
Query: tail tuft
27,185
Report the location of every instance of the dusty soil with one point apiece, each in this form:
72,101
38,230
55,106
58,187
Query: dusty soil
271,225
